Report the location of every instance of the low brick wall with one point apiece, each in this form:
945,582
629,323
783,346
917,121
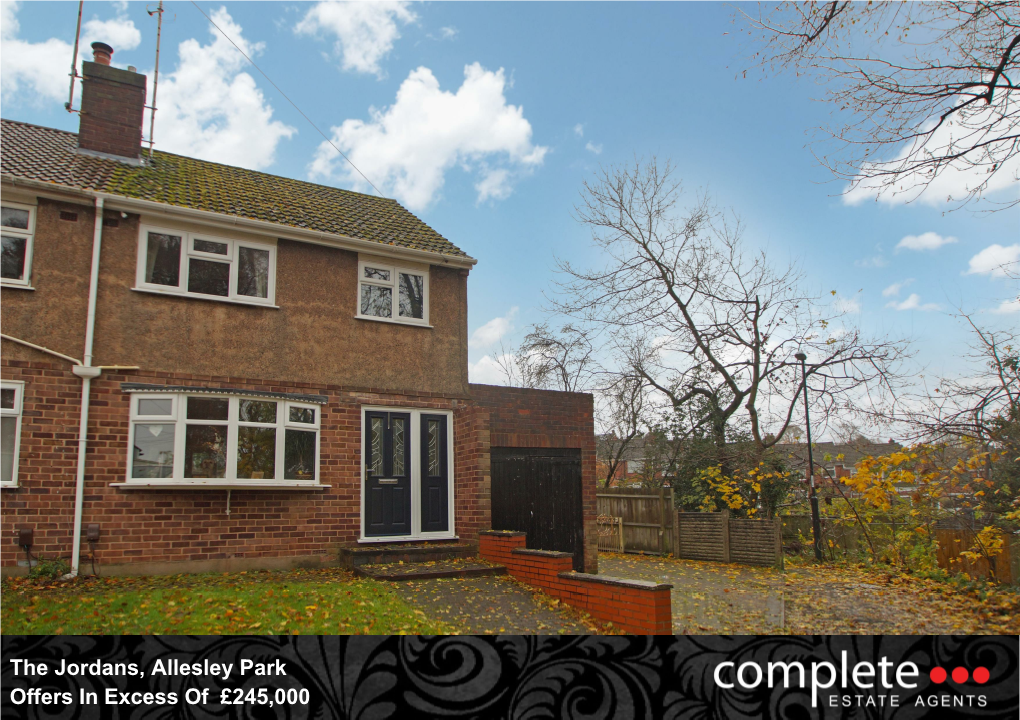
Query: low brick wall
635,606
719,538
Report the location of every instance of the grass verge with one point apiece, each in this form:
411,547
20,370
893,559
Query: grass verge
328,602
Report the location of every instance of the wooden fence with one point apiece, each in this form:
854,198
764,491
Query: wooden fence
1005,566
610,531
720,538
647,517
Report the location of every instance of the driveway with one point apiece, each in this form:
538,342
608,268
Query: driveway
717,598
494,605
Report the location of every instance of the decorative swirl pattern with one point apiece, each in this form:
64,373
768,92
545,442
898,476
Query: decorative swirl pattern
526,678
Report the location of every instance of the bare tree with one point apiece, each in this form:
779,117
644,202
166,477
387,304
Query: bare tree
706,323
621,415
929,88
547,359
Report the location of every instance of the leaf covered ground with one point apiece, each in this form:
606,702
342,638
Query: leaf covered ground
718,598
331,602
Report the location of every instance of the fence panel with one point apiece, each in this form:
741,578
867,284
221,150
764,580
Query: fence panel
719,538
703,536
953,541
647,517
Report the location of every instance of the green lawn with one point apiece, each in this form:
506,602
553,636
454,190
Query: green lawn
329,602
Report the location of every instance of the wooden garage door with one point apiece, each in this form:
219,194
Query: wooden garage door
538,491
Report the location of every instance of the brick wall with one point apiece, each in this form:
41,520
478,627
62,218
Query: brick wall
112,109
525,418
635,606
189,530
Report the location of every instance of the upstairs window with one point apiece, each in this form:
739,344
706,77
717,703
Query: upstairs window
394,294
201,265
18,229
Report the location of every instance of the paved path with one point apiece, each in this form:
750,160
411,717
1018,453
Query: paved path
721,598
491,605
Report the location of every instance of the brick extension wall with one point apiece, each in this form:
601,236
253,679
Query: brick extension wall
635,606
186,530
525,418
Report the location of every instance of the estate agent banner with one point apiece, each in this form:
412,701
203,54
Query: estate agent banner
509,677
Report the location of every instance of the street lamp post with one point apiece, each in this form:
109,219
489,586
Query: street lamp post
816,523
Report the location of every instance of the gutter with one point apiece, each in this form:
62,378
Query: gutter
262,227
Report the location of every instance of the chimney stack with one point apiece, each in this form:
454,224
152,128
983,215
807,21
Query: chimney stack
112,107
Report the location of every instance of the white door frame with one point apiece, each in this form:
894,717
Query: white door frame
416,533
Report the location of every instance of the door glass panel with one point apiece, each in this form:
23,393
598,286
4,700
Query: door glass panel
299,455
158,406
253,272
14,218
163,260
412,296
256,452
205,451
8,432
257,411
200,408
376,442
398,446
208,246
208,277
153,451
12,259
433,440
376,301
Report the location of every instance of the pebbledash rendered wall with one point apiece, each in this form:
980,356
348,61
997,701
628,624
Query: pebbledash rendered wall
188,530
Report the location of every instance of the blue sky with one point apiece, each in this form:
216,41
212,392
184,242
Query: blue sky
485,118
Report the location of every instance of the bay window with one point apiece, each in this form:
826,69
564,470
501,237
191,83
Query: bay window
200,265
394,294
210,439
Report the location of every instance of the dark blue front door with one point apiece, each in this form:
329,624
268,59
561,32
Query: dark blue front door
435,516
387,474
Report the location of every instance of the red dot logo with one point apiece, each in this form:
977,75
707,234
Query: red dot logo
938,675
960,675
981,675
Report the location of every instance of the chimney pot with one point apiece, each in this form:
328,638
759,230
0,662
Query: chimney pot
101,52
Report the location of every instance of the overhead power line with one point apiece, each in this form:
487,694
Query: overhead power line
294,104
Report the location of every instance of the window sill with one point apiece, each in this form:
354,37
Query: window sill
16,286
207,298
391,321
407,538
8,486
217,485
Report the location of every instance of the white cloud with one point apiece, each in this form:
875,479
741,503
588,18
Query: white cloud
913,302
925,241
597,149
364,31
491,332
894,289
847,305
209,108
579,130
1008,307
992,124
448,33
487,371
995,260
877,261
407,148
40,71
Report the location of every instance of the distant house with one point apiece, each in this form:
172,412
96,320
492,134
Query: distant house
220,368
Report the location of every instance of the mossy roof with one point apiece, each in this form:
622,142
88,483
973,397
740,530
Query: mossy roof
48,155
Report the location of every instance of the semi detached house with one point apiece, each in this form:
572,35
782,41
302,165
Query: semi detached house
210,368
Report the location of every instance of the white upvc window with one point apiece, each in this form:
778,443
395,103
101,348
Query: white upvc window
11,400
211,439
17,227
206,266
393,294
